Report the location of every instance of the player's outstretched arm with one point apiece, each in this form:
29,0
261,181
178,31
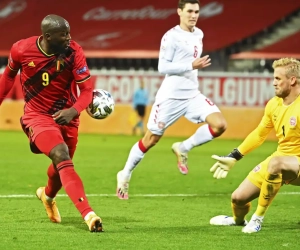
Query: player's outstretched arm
252,141
224,163
6,82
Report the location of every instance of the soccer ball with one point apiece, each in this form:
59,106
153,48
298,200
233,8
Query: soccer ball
102,105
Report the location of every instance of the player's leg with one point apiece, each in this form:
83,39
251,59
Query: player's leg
280,169
241,200
52,144
136,121
140,125
240,203
48,200
247,191
70,135
142,111
136,154
54,183
162,115
199,109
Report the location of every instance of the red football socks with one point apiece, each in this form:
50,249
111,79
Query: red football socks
73,186
54,183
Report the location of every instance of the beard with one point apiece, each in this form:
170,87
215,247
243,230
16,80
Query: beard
59,48
283,93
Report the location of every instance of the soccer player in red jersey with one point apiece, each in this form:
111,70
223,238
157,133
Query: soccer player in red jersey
52,66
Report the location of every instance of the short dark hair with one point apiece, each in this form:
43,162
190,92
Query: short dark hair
182,3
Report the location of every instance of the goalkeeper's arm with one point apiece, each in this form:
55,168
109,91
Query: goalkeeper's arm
252,141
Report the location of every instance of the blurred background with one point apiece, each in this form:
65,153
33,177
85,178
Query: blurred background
121,40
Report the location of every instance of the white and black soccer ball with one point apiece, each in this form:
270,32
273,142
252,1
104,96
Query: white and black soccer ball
102,105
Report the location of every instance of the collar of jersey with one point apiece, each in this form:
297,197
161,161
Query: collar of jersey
40,48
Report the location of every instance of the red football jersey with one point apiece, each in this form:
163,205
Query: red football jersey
48,81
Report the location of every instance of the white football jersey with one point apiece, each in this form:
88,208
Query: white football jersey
178,50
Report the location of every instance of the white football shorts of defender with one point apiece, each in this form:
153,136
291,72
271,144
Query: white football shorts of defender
164,113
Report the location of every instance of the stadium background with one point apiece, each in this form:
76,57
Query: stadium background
121,41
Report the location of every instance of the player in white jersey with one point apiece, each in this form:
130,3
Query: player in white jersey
179,95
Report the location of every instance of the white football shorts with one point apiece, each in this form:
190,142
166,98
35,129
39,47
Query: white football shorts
164,113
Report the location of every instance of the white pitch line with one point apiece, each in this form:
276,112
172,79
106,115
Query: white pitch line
135,195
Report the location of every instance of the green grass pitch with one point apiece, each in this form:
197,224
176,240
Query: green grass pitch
166,210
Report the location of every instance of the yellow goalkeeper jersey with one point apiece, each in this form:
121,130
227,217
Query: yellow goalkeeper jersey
285,120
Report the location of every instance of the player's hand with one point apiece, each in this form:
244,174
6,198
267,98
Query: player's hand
222,166
224,163
201,62
63,117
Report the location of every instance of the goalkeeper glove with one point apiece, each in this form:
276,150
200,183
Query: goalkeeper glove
225,163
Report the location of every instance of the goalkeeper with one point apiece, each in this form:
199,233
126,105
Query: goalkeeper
282,113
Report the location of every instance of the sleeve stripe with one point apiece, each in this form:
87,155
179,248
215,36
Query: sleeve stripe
12,68
83,80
